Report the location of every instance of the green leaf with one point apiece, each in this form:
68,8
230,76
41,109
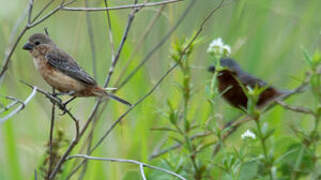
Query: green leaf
249,170
307,57
269,133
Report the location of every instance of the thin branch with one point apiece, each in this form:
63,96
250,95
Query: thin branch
140,43
60,105
84,156
16,101
30,11
18,109
6,108
122,43
42,10
15,28
110,32
54,11
141,168
160,44
9,53
52,125
297,109
120,7
133,106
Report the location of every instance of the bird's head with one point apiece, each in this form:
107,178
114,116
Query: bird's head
36,40
227,63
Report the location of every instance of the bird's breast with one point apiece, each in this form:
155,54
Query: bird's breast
56,78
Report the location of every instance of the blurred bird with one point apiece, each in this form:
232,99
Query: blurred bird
229,80
61,71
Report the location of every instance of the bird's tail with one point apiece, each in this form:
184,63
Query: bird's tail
102,93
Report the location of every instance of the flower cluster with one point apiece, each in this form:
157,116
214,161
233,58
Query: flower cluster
248,134
218,48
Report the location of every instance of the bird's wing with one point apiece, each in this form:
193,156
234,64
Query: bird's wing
60,60
251,81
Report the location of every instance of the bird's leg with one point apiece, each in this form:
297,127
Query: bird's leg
70,93
69,100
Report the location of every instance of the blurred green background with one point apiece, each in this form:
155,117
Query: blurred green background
267,38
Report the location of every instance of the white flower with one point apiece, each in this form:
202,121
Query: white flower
248,134
218,48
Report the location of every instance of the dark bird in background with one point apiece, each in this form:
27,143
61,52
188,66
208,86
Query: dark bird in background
61,71
229,80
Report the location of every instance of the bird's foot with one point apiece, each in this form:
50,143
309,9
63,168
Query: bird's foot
64,105
64,109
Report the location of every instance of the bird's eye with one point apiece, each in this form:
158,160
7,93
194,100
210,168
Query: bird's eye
37,43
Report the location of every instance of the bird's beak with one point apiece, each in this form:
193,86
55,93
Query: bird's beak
27,46
211,69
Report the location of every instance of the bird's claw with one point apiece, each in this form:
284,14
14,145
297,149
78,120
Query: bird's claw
64,109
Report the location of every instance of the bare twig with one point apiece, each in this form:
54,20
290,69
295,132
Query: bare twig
157,46
15,101
18,109
60,105
132,107
9,53
42,10
141,168
52,125
122,43
30,11
110,32
297,109
17,24
140,43
54,11
6,108
84,156
121,7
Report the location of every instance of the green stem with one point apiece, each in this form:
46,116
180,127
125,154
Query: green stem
262,140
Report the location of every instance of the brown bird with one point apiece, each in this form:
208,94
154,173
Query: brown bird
61,71
229,80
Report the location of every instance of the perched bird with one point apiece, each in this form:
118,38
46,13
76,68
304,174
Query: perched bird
61,71
229,80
